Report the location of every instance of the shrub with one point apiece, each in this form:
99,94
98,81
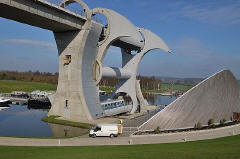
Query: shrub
157,130
222,122
198,125
238,116
210,122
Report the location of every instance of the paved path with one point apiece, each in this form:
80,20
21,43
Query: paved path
64,142
138,121
137,139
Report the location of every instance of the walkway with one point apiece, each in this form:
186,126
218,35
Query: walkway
138,139
138,121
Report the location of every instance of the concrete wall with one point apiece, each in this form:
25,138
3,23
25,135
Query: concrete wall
217,97
90,89
76,83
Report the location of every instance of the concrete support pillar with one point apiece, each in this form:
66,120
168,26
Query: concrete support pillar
130,64
143,103
77,94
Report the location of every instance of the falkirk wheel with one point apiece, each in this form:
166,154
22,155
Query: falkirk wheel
80,65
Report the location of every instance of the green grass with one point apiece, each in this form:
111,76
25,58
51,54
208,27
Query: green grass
176,86
165,88
107,89
154,91
9,86
53,119
223,148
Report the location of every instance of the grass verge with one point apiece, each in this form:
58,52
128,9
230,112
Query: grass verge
53,119
223,148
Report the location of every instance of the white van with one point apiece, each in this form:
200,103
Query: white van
111,130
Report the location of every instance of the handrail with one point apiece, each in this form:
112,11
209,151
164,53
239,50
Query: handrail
73,10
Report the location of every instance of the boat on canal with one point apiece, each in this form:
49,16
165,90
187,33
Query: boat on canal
4,102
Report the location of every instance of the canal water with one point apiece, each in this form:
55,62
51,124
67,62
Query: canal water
19,120
156,99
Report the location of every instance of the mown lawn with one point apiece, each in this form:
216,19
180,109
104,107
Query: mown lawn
176,86
224,148
9,86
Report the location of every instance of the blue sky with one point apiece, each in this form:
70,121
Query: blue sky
203,35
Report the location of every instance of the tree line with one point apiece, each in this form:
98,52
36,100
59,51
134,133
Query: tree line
147,83
30,76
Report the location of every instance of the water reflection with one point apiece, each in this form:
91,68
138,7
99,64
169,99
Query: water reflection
66,131
156,99
18,120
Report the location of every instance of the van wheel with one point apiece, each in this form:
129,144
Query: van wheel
111,136
93,135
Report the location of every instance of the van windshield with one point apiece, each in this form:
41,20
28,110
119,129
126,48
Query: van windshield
97,129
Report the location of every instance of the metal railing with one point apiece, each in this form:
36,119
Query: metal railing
74,10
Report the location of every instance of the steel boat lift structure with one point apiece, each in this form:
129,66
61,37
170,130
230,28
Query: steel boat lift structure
80,63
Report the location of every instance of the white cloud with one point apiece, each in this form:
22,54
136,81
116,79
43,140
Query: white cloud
196,58
190,47
30,42
216,12
228,14
190,58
